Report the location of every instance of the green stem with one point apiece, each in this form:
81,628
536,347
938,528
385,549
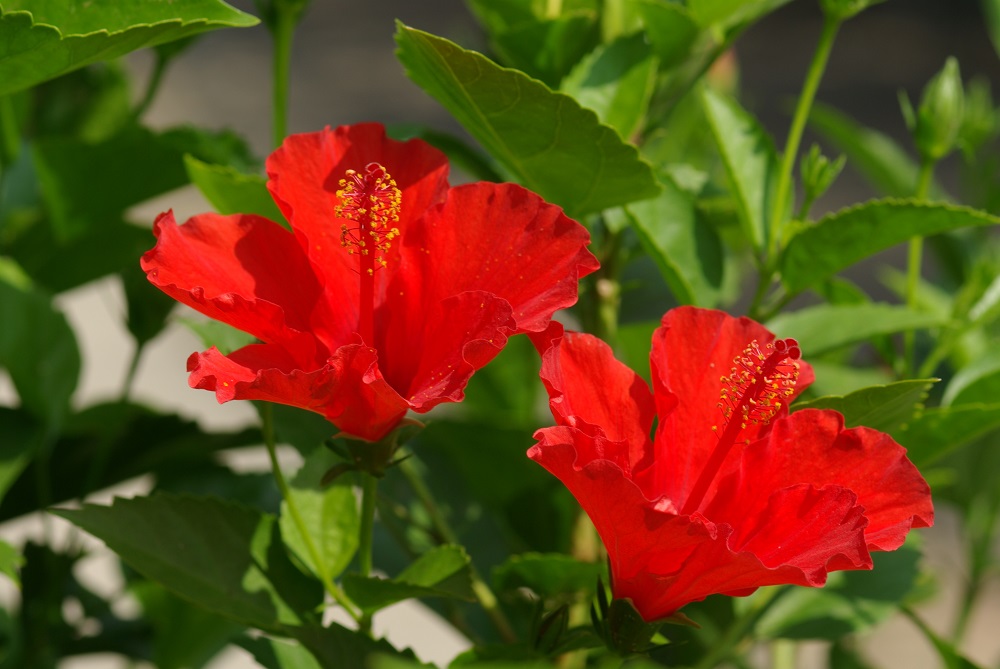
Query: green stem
913,264
338,595
816,68
282,31
726,646
481,590
155,79
10,134
369,495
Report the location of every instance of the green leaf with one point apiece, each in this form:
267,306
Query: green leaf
11,562
231,191
687,251
731,12
148,306
838,379
440,572
22,435
825,327
55,37
883,408
221,335
750,159
505,393
876,156
940,430
273,653
548,141
548,574
671,30
221,556
39,351
330,514
548,48
617,82
635,340
976,382
843,238
851,601
336,646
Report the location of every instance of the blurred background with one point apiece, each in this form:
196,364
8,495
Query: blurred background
344,71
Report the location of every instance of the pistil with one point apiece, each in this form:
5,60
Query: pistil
752,394
372,201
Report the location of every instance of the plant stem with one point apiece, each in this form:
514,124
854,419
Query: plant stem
10,134
816,68
369,494
481,590
338,595
155,79
913,264
282,31
738,630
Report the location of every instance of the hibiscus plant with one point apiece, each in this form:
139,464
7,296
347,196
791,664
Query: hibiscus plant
593,383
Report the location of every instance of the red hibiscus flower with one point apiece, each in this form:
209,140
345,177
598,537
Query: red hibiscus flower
392,291
731,492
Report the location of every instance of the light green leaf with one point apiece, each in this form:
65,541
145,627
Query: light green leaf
843,238
825,327
750,159
39,351
977,382
548,141
330,514
940,430
11,562
730,12
231,191
617,82
224,557
547,574
54,37
883,408
687,251
670,28
221,335
440,572
876,156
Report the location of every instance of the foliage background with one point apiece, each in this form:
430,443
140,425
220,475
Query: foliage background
344,71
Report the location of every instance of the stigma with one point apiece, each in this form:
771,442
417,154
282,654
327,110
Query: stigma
372,201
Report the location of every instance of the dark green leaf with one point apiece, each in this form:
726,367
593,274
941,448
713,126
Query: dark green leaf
670,28
548,48
750,159
548,574
505,393
884,408
330,515
843,238
272,653
875,155
336,646
148,306
825,327
548,141
55,37
851,601
11,562
22,435
940,430
304,430
231,191
687,251
39,351
617,82
441,572
226,558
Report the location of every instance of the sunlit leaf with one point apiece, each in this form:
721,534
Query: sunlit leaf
441,572
883,408
824,327
231,191
548,141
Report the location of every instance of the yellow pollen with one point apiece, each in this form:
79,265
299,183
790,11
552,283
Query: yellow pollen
372,201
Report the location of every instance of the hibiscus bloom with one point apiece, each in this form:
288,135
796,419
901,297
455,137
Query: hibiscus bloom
389,293
707,485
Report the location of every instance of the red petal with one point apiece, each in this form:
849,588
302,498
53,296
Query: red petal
243,270
500,239
304,174
349,391
586,383
813,447
692,350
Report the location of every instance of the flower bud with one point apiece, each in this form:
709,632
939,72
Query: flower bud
979,120
818,173
841,10
936,123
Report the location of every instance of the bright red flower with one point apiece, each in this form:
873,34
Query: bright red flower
732,492
392,291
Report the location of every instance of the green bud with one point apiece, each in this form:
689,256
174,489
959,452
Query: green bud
818,173
936,123
979,120
841,10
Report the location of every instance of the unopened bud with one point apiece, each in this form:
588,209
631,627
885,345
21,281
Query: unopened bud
936,123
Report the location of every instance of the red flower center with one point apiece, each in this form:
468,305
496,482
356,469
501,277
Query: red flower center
752,394
372,200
